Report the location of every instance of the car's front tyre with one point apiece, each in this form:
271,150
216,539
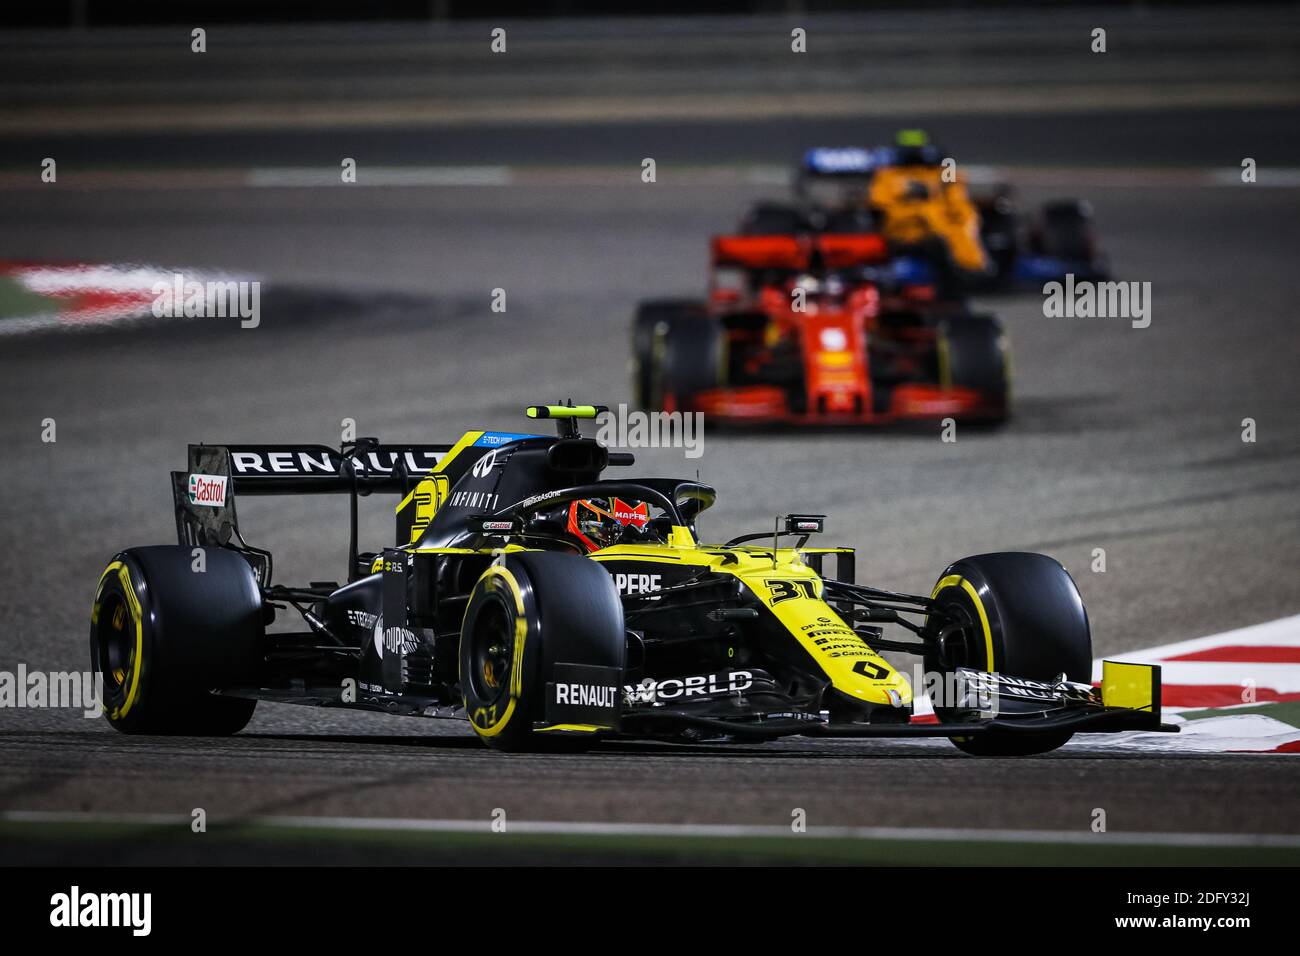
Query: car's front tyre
524,615
1021,615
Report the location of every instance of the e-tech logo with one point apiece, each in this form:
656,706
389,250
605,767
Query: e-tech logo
496,439
208,490
362,619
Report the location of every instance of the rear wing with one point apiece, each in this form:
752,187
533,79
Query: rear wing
844,160
855,161
852,167
317,469
204,494
797,253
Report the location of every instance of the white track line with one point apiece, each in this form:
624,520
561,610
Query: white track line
705,830
756,174
383,176
1243,734
689,174
1284,632
1283,678
1221,733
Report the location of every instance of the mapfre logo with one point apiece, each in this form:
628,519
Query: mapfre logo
626,514
208,490
638,583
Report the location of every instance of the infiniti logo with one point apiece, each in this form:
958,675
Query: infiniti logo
483,467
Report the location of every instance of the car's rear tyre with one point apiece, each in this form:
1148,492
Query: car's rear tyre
166,628
692,359
973,354
1065,231
1000,234
649,328
525,615
1022,616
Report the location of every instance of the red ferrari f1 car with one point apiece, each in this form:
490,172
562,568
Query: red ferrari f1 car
820,328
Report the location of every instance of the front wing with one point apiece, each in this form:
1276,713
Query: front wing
768,404
1128,699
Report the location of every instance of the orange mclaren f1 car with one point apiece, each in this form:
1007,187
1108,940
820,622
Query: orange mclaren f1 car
921,202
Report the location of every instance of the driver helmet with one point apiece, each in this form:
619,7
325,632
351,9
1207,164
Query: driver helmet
602,522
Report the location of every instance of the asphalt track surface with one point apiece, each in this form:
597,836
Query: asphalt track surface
377,308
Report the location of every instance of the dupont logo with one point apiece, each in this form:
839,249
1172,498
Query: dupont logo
208,490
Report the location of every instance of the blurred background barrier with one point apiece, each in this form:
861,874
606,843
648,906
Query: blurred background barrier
135,72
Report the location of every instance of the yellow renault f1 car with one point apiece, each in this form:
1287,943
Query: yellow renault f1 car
538,600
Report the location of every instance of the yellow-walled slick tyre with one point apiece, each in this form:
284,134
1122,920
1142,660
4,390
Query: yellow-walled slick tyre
1022,616
524,615
163,634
